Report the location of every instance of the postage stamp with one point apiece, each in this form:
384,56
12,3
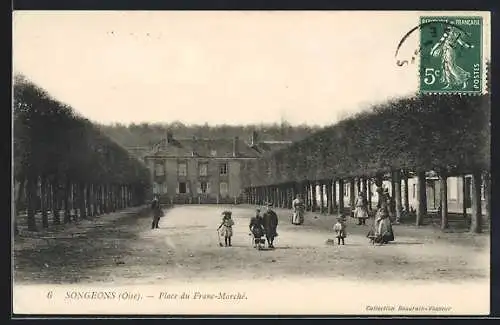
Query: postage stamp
451,55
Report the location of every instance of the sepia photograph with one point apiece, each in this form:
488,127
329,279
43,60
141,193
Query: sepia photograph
251,163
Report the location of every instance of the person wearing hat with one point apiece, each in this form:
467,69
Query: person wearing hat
157,212
270,221
257,229
340,229
382,227
361,211
226,227
298,210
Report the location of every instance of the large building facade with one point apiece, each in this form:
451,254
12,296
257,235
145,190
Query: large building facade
200,170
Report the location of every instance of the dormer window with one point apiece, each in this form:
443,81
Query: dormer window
213,153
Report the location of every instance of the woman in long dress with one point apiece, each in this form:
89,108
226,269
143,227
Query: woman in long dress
381,231
298,211
361,211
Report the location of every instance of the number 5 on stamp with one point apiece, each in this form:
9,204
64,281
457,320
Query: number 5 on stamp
451,55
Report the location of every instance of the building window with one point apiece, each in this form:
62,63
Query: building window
182,167
346,190
156,188
414,190
452,188
203,187
159,169
182,188
223,169
203,169
213,153
223,189
164,188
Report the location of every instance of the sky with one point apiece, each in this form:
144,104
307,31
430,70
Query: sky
230,67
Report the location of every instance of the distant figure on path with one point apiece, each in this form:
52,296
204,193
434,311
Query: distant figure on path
226,227
298,210
361,211
257,229
390,204
270,220
157,212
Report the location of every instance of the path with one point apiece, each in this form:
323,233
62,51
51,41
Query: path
121,248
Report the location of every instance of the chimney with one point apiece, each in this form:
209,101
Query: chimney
170,137
235,146
254,138
194,147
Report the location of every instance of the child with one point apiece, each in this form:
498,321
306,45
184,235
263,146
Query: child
227,227
257,229
340,229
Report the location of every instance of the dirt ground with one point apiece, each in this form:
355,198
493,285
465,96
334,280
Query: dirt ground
121,248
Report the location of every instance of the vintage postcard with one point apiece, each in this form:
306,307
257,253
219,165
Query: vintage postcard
251,162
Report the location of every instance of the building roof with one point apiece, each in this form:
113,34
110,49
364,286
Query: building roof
213,148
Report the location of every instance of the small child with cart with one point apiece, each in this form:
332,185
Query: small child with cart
257,230
340,229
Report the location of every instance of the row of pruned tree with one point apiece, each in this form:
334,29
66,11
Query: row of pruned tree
64,163
449,133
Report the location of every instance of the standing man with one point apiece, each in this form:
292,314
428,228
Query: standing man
270,220
157,212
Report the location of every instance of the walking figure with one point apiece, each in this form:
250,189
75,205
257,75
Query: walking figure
270,220
226,227
157,212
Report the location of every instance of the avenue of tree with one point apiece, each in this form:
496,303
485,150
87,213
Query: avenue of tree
448,135
63,164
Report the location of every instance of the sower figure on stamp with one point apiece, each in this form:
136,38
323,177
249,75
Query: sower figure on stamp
452,74
157,212
270,220
257,229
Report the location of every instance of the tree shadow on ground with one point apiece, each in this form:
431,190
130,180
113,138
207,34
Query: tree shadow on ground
70,259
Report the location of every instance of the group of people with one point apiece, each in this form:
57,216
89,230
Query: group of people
260,226
265,225
380,231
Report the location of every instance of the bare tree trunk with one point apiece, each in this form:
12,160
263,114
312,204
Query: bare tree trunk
443,180
396,176
422,198
334,196
88,202
31,202
17,202
476,217
67,197
55,202
341,197
329,198
81,200
43,202
352,194
487,195
314,199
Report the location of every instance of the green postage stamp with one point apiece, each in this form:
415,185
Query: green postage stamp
451,55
